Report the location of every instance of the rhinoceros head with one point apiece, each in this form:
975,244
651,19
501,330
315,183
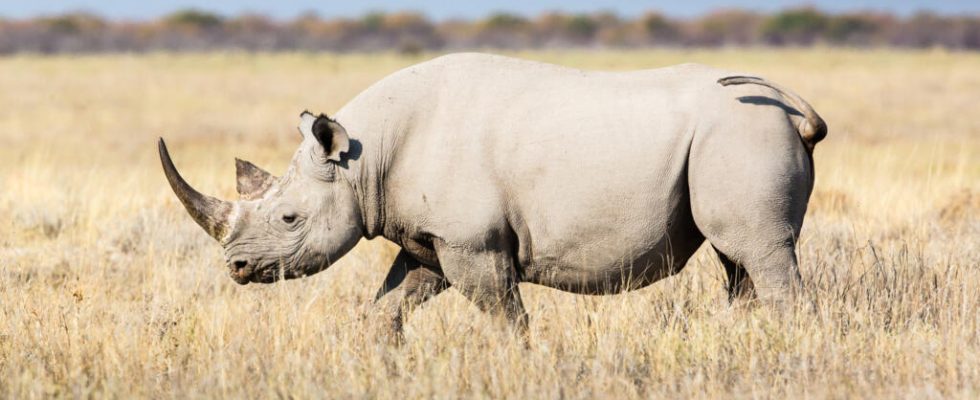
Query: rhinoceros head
286,227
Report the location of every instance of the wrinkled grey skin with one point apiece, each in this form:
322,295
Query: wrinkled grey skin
489,171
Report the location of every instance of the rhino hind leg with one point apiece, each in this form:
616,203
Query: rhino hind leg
739,284
408,285
762,267
765,248
749,192
759,239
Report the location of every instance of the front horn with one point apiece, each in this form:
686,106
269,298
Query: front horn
209,212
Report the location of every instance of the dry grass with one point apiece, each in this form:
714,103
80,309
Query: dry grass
108,289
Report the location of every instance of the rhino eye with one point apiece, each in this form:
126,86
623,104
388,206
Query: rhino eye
289,218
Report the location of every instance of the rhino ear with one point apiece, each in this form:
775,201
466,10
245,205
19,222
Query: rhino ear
253,182
332,136
306,124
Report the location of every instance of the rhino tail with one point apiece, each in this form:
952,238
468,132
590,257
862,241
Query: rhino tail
812,130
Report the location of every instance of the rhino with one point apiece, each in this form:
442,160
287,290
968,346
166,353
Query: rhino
490,171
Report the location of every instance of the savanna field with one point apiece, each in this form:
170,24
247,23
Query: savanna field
109,289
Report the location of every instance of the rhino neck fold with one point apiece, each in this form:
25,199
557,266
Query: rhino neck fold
379,119
365,173
370,198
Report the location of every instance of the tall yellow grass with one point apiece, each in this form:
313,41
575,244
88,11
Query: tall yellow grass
108,289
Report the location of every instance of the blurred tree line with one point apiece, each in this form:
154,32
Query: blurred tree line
412,32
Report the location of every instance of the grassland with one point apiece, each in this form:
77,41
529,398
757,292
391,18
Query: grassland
107,288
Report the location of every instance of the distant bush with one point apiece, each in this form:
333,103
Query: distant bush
193,19
411,32
801,26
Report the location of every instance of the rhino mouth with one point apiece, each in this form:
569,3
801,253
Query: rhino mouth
264,278
268,274
239,279
244,277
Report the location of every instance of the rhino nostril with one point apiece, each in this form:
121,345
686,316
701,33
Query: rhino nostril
239,264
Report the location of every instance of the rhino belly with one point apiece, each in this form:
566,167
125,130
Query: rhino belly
604,258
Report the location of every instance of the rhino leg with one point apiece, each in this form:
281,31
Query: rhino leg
764,246
740,286
488,279
409,284
773,274
748,195
768,256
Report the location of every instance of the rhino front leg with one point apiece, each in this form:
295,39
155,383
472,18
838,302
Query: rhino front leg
409,284
488,279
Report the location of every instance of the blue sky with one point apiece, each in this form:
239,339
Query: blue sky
144,9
